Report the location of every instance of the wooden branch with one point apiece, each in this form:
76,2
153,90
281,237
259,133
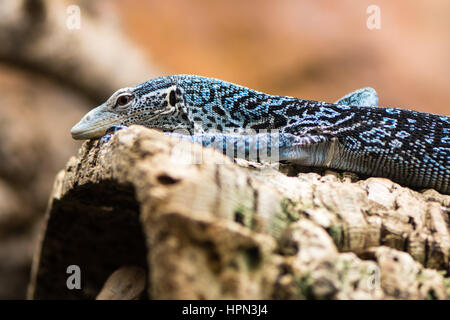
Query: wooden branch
204,227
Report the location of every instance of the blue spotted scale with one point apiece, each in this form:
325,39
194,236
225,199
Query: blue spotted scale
353,134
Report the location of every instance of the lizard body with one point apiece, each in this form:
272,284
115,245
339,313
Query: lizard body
409,147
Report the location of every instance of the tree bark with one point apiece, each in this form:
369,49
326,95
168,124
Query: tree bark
203,226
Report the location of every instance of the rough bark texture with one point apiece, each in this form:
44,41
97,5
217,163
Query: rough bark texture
204,227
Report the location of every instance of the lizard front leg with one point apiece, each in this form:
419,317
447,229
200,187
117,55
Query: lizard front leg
254,147
273,146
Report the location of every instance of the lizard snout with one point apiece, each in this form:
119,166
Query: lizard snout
77,131
93,125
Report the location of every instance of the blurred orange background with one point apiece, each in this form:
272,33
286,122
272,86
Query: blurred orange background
318,49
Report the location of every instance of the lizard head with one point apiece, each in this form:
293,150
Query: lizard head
156,104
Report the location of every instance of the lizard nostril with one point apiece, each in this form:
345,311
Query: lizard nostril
88,118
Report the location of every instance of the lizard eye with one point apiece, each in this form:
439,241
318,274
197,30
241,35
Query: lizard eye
123,99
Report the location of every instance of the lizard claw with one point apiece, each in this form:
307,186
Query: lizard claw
114,129
109,133
104,140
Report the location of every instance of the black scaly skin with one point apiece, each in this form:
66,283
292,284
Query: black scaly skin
409,147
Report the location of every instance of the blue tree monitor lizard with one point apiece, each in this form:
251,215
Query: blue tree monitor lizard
353,134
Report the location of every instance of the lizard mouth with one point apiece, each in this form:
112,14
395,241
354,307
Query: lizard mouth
93,125
82,134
